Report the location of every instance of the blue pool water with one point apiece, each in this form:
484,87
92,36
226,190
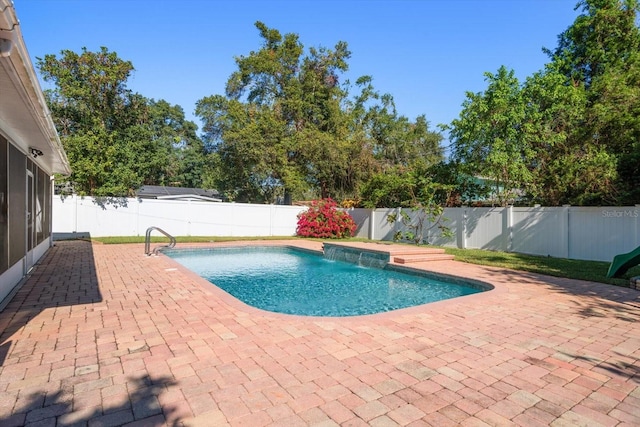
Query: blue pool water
286,280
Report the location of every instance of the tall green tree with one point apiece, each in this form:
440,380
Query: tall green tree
286,126
90,91
116,140
394,140
614,124
604,36
490,136
179,158
399,143
564,169
600,51
301,96
245,139
94,112
570,133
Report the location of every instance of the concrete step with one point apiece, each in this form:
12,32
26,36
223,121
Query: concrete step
427,257
414,250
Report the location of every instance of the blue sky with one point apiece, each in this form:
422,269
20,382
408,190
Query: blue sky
426,53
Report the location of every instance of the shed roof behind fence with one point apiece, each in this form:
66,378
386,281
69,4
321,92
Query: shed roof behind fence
179,193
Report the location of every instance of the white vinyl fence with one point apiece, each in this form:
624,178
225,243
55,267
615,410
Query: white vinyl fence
74,215
589,233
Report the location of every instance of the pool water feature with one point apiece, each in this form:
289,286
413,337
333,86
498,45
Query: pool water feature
356,256
292,281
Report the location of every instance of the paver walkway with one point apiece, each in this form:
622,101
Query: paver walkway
101,335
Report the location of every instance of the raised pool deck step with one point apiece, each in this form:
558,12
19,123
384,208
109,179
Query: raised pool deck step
407,255
426,257
414,250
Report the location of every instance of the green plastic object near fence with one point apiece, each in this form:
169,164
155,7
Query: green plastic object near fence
623,262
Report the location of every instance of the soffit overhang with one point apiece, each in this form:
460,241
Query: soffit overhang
25,119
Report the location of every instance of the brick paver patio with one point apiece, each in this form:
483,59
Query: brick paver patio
101,335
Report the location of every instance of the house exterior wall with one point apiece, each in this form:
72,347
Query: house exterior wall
25,215
4,214
17,221
30,153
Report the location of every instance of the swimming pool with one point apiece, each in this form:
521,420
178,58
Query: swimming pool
292,281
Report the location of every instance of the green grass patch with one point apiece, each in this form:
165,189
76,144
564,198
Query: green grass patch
182,239
208,239
595,271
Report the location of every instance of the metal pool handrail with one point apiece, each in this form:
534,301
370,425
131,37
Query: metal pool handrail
147,241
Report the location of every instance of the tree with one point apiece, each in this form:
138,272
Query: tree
399,143
564,170
385,190
116,140
92,110
457,187
600,51
179,158
287,127
245,138
90,91
603,36
490,136
570,133
294,133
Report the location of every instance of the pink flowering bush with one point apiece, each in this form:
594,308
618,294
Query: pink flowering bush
324,220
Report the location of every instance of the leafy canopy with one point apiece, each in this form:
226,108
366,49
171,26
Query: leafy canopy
288,127
117,140
570,132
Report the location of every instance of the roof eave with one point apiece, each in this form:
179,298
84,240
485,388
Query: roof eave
39,132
